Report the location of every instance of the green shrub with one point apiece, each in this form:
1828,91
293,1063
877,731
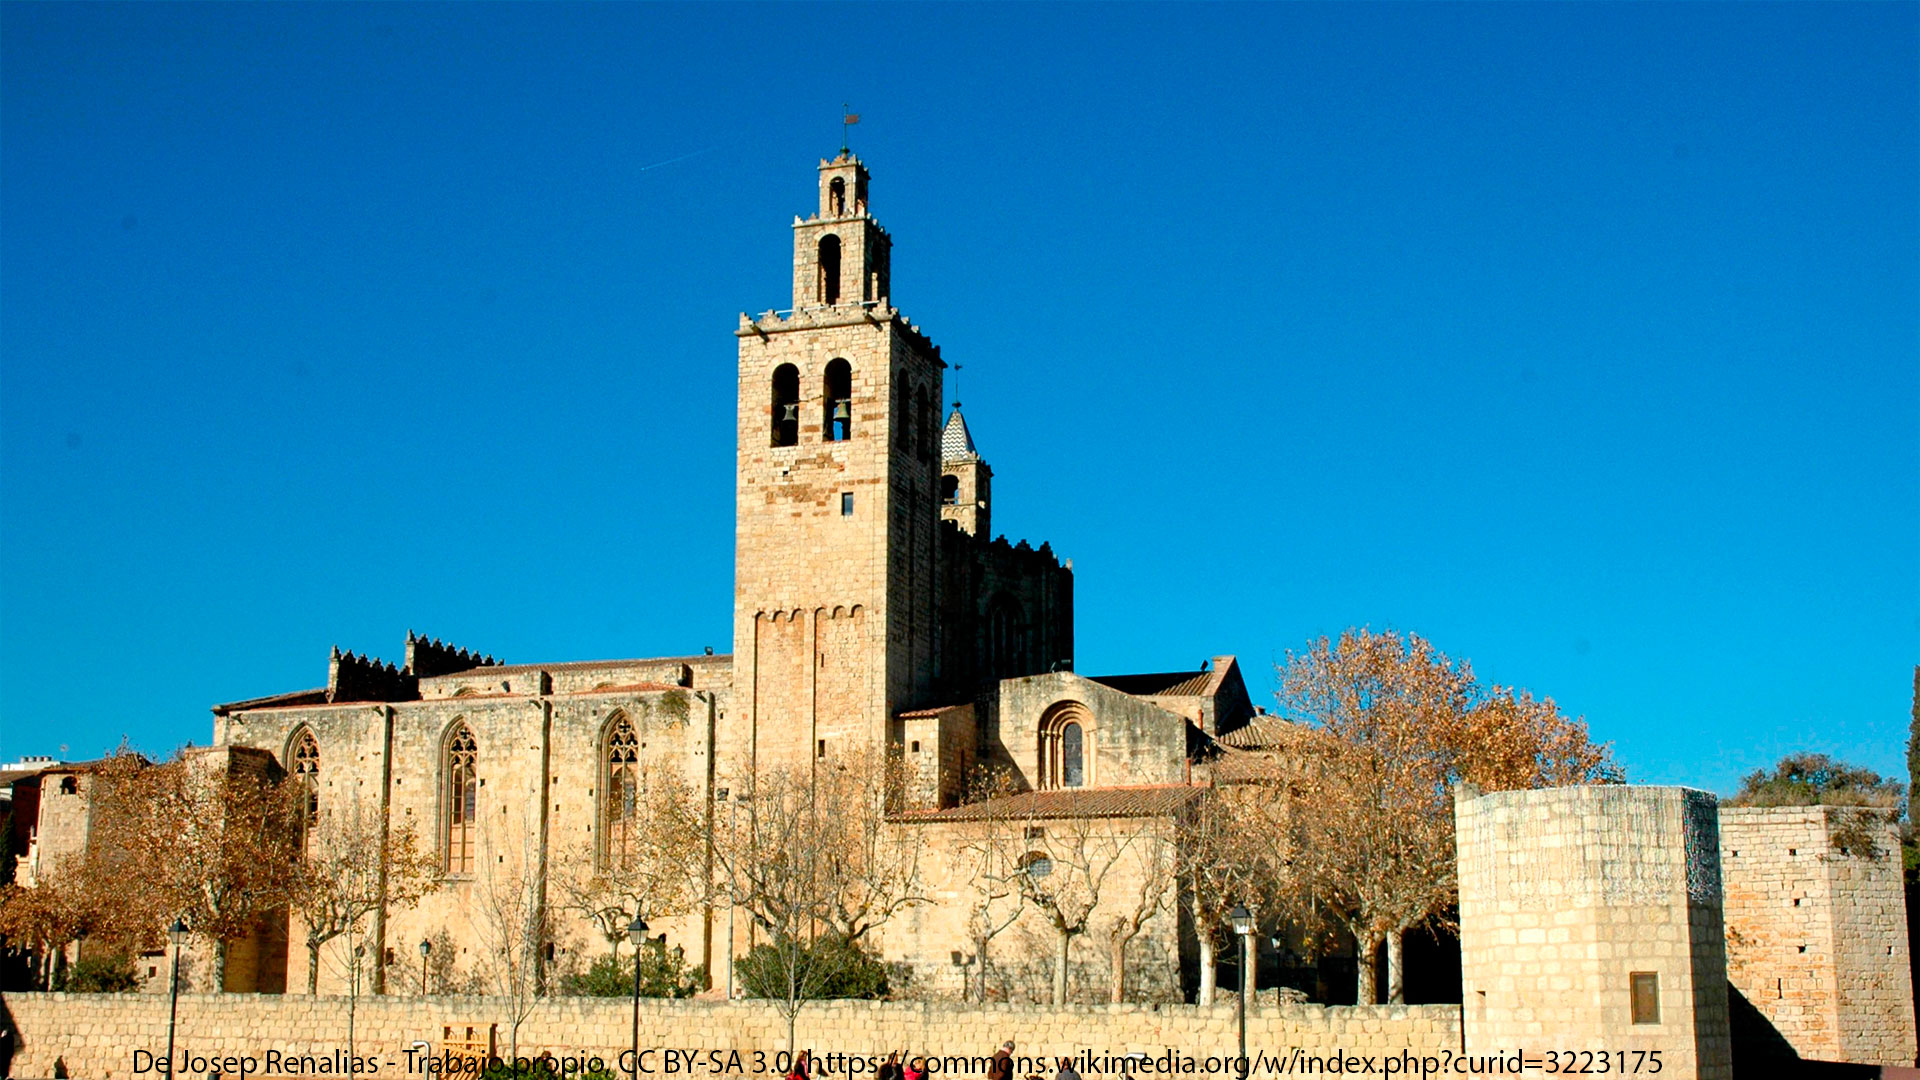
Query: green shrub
831,967
663,974
99,975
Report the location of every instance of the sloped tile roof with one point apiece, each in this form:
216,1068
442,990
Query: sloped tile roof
1263,733
1160,684
1154,800
316,696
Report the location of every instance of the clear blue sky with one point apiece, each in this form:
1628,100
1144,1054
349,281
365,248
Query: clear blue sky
1579,339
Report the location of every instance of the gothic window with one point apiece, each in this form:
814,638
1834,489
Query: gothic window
621,817
829,269
306,772
786,405
1066,746
462,799
837,197
1006,638
902,419
837,423
950,490
923,422
69,786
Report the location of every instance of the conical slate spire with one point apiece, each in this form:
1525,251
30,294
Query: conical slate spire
956,442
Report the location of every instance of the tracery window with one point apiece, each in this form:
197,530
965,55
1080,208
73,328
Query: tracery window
620,814
306,772
462,799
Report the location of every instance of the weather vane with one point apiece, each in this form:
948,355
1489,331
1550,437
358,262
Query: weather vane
847,120
956,384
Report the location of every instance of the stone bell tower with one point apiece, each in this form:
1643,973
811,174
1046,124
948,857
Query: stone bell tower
836,499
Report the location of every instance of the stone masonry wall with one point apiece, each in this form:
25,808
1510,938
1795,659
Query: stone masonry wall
95,1036
1566,894
1816,932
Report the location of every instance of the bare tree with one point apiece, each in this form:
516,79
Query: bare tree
655,872
1138,903
354,865
1229,858
989,856
870,866
1066,865
808,866
513,923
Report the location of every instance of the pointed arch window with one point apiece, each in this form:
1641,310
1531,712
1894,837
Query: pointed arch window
462,799
786,405
306,773
837,422
620,813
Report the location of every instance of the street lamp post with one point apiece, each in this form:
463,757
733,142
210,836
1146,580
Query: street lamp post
1242,921
722,796
426,947
636,933
178,933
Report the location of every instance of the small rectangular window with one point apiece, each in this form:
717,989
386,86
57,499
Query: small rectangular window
1646,997
821,750
916,746
846,504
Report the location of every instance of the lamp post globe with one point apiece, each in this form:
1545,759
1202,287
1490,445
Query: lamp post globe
177,933
636,933
1242,922
426,947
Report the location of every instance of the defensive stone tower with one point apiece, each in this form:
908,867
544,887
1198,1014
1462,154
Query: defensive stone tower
837,496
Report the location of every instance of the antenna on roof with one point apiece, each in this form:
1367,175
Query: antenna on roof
956,384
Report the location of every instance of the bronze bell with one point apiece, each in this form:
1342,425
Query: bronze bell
840,410
789,414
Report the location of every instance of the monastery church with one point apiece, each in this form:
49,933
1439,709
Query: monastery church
874,611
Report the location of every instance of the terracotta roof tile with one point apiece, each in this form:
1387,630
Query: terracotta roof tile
316,696
1160,684
935,710
1264,732
1155,800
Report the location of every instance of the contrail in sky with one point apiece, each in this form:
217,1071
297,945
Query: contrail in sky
670,161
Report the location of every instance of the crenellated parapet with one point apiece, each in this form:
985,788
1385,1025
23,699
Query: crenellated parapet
367,678
431,657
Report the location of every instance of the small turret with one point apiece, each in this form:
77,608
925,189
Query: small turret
965,480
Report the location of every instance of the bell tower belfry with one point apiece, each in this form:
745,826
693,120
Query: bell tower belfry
836,498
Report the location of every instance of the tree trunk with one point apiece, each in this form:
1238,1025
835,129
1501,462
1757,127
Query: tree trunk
1208,969
313,968
1396,968
219,966
1062,942
980,961
1117,950
1366,986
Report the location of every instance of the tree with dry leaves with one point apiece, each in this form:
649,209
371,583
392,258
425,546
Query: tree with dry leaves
513,921
216,835
1389,725
355,864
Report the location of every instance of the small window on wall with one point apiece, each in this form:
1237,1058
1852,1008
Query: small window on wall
846,504
950,490
1646,997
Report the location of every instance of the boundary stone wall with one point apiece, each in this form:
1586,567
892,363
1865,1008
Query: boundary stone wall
1817,932
95,1035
